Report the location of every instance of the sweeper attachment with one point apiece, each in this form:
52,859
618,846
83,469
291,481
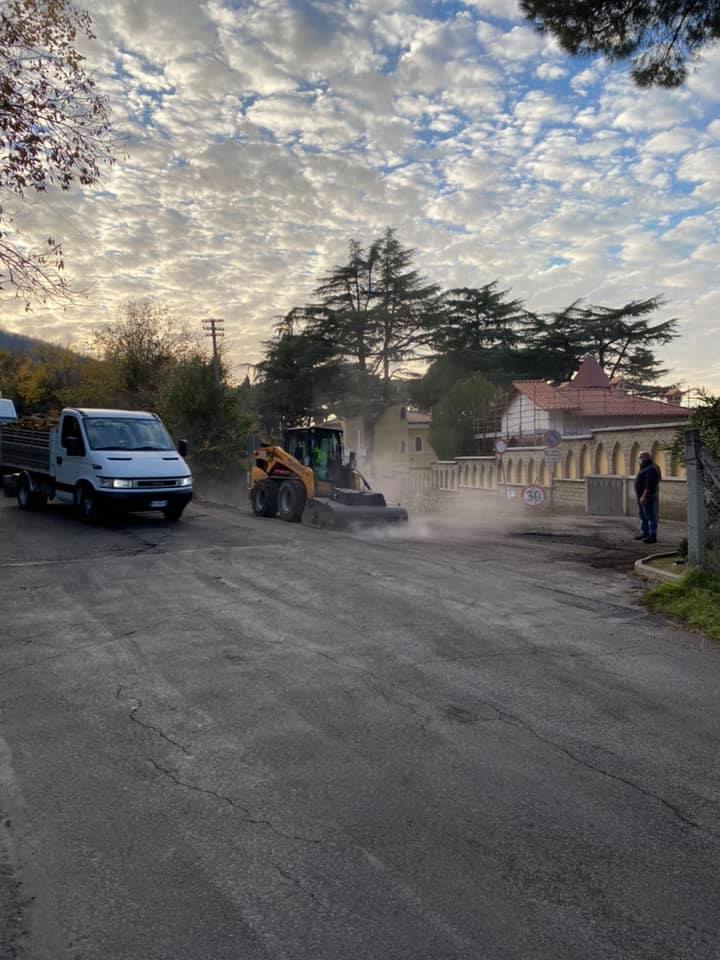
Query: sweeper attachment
306,480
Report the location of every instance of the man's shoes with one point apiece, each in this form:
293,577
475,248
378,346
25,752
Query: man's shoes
640,536
649,539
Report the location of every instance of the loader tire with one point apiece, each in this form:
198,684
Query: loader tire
291,501
264,499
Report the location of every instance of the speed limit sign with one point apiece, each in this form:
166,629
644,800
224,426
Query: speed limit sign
533,496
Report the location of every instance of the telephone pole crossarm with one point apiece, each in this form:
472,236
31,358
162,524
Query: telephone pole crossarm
214,327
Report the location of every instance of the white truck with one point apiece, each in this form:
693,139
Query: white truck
102,461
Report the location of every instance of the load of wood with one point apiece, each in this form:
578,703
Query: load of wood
38,421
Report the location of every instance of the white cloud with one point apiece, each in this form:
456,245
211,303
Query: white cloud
653,110
587,78
550,71
539,109
505,9
676,140
518,44
258,141
702,165
704,78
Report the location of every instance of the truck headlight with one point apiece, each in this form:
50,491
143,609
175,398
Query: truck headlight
113,482
185,482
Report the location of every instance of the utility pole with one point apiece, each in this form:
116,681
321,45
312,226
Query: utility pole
214,327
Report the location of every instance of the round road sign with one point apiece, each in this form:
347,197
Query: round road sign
552,438
533,496
500,447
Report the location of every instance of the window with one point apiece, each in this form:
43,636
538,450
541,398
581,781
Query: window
418,444
71,431
325,450
119,433
403,447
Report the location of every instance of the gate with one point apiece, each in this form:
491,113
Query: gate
605,496
703,480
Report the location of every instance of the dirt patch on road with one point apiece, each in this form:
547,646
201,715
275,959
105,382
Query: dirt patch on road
600,549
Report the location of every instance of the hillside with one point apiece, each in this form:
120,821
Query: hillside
18,343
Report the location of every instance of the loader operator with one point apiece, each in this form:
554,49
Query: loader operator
320,460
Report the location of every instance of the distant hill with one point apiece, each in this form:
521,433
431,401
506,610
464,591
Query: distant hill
18,343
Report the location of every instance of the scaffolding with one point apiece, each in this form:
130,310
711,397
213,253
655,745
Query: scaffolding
522,418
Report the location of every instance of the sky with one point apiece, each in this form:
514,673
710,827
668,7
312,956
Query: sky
255,139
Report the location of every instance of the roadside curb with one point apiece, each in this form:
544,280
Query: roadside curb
647,572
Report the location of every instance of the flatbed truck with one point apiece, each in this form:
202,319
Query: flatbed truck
101,461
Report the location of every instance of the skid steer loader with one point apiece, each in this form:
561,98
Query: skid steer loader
306,480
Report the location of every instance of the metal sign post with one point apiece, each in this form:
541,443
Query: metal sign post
500,448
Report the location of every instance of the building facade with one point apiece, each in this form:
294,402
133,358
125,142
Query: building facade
400,440
590,401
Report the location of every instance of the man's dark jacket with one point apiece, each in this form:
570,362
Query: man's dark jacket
647,480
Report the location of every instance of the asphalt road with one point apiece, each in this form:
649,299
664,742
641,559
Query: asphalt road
238,738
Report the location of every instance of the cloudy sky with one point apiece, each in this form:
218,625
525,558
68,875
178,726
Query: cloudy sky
258,137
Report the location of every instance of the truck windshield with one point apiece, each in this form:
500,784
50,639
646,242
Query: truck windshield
115,433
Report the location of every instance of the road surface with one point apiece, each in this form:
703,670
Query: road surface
239,738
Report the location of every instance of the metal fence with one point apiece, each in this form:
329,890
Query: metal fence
703,489
711,472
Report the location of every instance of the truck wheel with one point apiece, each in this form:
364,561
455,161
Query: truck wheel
89,509
291,501
172,514
25,497
264,499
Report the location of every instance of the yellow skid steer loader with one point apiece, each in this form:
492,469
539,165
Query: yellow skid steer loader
306,480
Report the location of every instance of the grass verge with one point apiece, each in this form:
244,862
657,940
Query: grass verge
695,599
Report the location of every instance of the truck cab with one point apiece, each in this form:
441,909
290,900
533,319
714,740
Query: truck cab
118,460
7,410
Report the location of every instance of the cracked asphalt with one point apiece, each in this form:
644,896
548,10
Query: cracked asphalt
238,738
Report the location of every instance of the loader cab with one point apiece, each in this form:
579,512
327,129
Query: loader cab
317,447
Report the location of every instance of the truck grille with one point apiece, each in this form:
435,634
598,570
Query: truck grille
153,484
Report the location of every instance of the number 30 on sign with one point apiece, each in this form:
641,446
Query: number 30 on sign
533,496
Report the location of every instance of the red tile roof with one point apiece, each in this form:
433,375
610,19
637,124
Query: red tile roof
596,401
590,374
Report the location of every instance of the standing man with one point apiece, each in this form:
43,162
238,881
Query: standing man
647,484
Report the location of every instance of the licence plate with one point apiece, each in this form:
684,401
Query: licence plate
157,504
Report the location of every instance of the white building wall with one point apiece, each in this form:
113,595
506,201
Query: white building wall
524,418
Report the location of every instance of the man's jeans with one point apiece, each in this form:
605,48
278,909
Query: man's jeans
648,517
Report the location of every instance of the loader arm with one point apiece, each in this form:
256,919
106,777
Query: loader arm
276,463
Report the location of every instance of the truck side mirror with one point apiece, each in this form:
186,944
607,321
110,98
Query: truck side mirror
352,460
182,448
73,446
